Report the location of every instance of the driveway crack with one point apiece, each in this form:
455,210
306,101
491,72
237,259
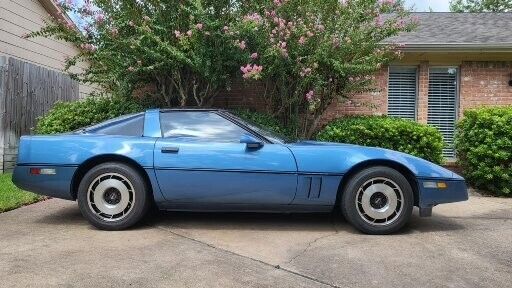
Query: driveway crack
311,243
305,276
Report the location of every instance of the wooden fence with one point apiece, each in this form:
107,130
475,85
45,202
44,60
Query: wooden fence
27,91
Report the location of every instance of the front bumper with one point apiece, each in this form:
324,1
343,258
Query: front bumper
456,190
58,185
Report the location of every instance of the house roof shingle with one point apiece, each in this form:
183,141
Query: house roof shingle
450,30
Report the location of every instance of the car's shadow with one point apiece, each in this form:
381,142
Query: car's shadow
320,222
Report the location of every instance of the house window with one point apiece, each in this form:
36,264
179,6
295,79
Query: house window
402,92
442,104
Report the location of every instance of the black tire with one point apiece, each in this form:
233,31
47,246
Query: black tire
132,188
361,186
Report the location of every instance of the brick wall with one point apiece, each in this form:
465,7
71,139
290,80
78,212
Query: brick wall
368,103
242,94
482,84
485,84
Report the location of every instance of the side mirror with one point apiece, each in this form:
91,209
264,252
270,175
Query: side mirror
251,142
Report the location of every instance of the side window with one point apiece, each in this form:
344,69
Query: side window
131,127
199,126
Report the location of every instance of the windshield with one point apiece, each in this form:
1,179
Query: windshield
267,132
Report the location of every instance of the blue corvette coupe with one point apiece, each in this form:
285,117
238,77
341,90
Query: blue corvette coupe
210,160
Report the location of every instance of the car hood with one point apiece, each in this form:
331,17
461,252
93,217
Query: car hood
327,157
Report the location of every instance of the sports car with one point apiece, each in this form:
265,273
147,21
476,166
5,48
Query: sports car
211,160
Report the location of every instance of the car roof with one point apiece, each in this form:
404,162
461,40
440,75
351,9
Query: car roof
191,109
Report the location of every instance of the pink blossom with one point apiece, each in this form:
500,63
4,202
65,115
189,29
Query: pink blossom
320,27
88,47
114,32
226,29
310,96
387,2
302,40
100,18
131,23
305,72
279,2
131,69
199,26
189,33
336,42
254,56
378,21
310,34
255,17
177,33
251,71
242,45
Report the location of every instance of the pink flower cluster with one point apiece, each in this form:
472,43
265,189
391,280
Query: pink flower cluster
279,2
88,47
379,22
100,17
305,72
387,2
251,71
310,96
241,44
180,35
281,46
254,17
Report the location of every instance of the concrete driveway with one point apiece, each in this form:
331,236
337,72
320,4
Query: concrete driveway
462,245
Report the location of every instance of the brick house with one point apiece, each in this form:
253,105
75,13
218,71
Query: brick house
452,62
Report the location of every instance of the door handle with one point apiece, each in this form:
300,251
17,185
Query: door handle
170,149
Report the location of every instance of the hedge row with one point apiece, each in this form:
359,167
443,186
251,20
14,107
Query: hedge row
387,132
69,116
484,149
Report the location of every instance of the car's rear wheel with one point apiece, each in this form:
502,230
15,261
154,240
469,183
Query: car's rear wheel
113,196
377,200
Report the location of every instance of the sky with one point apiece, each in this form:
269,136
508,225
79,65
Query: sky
418,5
423,5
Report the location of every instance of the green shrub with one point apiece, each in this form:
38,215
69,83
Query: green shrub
267,121
483,142
69,116
387,132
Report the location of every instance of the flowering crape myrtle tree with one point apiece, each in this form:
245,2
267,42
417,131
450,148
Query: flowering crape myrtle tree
178,45
310,53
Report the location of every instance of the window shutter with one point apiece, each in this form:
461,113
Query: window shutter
402,92
442,104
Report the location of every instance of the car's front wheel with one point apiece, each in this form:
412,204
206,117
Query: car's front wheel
113,196
377,200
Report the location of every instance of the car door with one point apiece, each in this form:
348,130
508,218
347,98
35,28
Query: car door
200,159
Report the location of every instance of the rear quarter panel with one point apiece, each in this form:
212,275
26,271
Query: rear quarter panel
65,153
72,150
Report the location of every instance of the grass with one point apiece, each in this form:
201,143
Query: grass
11,197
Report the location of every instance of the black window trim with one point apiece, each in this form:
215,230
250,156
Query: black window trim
219,113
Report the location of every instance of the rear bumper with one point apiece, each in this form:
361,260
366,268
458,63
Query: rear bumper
455,191
58,185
